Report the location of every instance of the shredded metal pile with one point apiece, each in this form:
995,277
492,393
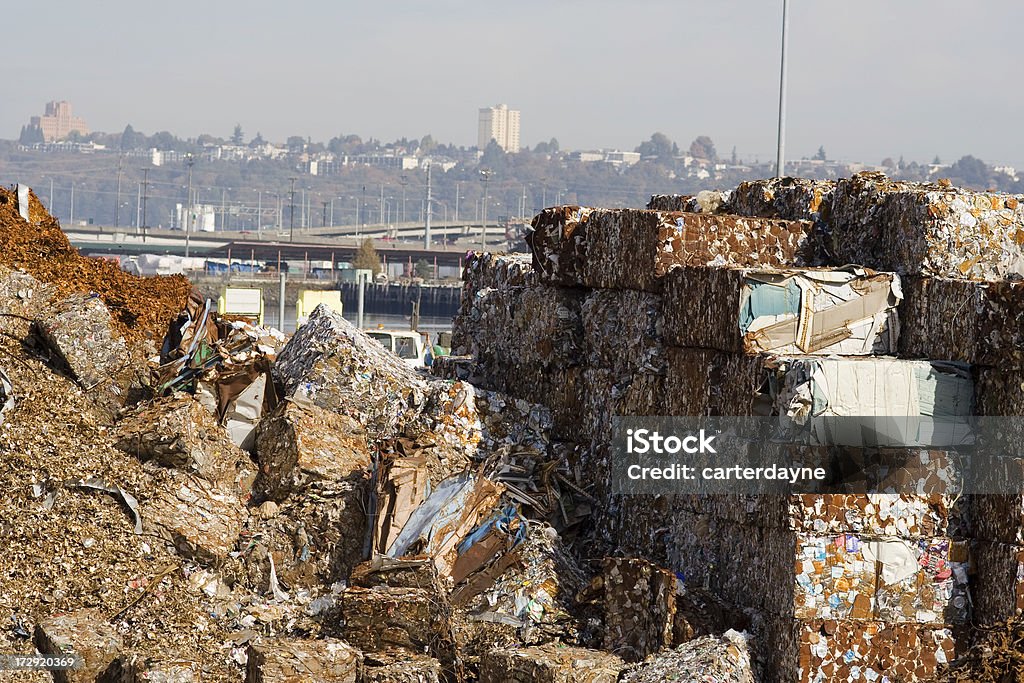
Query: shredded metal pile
142,307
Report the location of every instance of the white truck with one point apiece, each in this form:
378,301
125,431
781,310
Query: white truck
406,344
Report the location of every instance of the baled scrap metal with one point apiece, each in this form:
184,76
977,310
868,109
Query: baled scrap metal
843,650
844,312
402,484
794,199
158,669
623,331
634,249
314,538
86,634
549,664
177,431
22,299
927,228
81,331
999,517
902,515
202,520
640,607
503,271
705,201
290,660
558,242
998,581
415,572
301,444
384,618
721,658
963,320
340,368
711,382
399,667
448,429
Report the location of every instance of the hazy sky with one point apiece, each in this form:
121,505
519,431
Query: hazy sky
867,78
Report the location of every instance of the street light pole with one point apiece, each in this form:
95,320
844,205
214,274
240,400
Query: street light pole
188,205
291,228
485,176
780,164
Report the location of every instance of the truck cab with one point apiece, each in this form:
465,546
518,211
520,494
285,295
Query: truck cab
406,344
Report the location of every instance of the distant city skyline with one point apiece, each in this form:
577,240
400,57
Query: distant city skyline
867,80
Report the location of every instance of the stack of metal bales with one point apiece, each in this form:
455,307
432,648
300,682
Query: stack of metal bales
747,308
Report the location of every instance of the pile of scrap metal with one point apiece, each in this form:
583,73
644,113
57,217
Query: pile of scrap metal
224,363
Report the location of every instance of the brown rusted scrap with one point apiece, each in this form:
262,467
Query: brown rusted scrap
85,634
300,446
927,228
290,660
640,607
549,664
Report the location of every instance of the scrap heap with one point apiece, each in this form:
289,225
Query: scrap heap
742,305
196,498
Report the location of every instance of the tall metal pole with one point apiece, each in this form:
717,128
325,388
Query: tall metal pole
780,164
483,227
362,213
145,198
117,207
426,226
291,229
259,214
280,300
457,202
71,220
380,207
188,206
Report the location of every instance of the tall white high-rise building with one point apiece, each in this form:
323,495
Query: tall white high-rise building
500,124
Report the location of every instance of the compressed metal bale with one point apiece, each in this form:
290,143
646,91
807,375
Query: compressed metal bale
549,664
300,444
21,297
85,634
634,248
705,201
841,650
558,243
202,520
710,382
640,607
998,581
927,228
802,199
785,311
964,320
179,432
81,331
291,660
829,576
337,367
384,617
399,667
721,658
622,331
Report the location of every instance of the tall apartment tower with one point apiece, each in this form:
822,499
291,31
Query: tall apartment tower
58,122
500,124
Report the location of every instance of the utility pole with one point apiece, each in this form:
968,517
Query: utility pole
188,204
71,220
259,214
426,226
323,221
362,213
522,205
117,206
145,198
485,176
404,180
381,205
780,164
50,207
291,229
457,202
